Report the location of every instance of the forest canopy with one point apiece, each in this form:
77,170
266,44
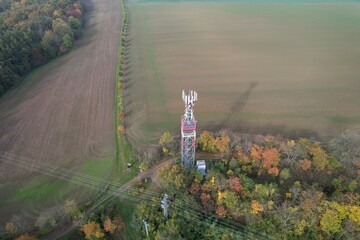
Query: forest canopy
261,187
33,32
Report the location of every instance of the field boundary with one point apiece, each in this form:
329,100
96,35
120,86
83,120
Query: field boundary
123,149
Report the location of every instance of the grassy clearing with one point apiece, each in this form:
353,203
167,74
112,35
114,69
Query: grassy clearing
43,192
98,168
126,210
37,191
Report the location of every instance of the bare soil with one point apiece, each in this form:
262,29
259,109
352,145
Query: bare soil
66,114
63,113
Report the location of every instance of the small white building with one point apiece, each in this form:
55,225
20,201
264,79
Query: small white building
201,167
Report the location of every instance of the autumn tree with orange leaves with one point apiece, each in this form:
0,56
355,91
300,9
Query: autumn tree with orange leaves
270,161
109,226
92,230
121,129
286,189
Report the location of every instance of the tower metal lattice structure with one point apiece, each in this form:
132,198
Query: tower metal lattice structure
188,129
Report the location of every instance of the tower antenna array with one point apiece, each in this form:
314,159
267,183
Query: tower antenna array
188,129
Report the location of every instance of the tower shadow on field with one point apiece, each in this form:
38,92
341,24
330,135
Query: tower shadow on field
231,122
235,109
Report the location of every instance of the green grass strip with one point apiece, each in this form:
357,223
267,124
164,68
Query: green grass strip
123,149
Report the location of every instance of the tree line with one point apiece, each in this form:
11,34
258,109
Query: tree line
285,189
33,32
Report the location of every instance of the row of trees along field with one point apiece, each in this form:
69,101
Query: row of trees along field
33,32
286,189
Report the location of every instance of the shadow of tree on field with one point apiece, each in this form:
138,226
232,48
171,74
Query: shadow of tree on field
126,53
264,129
230,122
129,85
126,67
127,74
128,41
128,113
126,80
128,103
89,32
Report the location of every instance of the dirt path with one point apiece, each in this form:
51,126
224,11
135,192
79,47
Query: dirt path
148,174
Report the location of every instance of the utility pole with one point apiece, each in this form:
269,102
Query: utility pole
146,227
165,205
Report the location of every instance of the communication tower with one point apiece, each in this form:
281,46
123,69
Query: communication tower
188,129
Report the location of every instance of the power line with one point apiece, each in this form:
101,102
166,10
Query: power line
97,184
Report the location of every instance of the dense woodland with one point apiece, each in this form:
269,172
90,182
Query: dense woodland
261,187
33,32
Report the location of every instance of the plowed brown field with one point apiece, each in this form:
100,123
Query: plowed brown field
63,113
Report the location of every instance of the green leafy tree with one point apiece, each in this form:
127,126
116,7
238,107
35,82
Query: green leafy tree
229,199
60,29
319,156
46,223
172,176
207,142
67,43
165,140
75,26
72,209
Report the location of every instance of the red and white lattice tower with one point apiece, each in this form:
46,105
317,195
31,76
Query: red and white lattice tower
188,130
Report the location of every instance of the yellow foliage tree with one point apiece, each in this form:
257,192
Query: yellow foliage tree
172,175
320,158
92,230
10,227
222,143
26,237
336,214
256,207
207,142
165,138
212,181
220,196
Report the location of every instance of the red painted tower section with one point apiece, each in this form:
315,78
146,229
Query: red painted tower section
188,130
